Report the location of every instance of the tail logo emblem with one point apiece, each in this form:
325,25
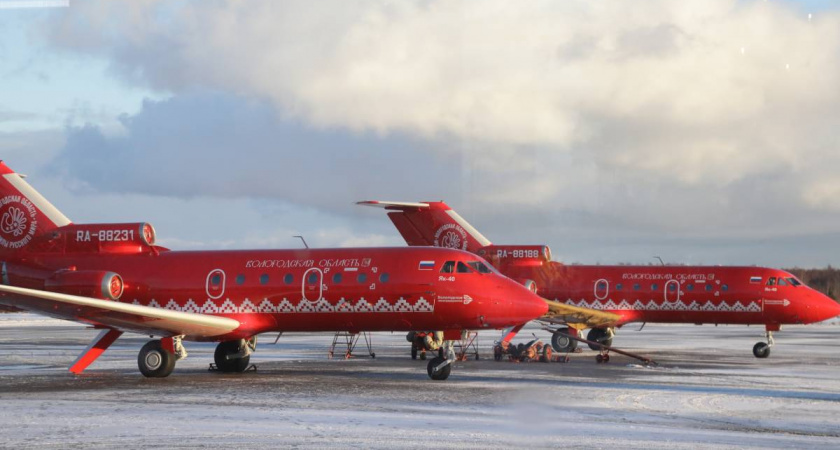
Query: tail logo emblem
17,221
451,236
13,222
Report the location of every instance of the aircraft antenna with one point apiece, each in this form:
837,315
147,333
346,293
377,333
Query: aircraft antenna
304,241
660,260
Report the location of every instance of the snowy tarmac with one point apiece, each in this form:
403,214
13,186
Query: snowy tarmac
708,392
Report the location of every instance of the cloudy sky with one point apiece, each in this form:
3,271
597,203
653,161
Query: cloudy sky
701,131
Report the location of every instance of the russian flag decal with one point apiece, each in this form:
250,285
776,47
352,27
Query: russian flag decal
426,265
755,279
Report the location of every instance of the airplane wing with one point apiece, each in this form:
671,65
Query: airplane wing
116,315
591,318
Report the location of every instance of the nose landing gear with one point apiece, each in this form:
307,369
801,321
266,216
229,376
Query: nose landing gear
762,349
439,367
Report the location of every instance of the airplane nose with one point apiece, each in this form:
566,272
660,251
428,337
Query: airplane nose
533,306
825,308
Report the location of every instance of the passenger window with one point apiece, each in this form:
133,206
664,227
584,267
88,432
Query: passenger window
724,288
312,278
337,278
448,267
264,279
361,278
637,286
708,288
782,282
462,268
771,281
288,278
215,280
384,278
690,287
672,287
240,279
618,286
654,287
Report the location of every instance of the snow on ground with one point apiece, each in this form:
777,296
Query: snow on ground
709,391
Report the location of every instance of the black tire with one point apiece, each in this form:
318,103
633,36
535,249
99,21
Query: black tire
413,351
154,361
561,343
441,374
497,353
423,355
761,350
230,365
410,336
598,335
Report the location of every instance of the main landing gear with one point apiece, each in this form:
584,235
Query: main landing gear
234,356
157,358
603,336
561,341
762,349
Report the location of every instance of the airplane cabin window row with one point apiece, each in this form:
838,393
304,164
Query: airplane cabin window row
312,278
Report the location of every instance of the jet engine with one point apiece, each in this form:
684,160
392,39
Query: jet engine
86,283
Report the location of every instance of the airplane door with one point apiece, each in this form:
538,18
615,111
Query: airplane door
672,291
312,285
215,284
602,289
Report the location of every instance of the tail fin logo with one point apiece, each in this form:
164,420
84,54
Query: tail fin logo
451,236
16,215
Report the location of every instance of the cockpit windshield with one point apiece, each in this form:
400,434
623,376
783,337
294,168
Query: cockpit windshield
793,281
479,267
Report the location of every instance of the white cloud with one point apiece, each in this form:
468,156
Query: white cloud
710,119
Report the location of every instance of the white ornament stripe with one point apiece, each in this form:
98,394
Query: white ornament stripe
650,305
285,306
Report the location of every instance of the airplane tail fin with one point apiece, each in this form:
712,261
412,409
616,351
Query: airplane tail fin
24,213
432,224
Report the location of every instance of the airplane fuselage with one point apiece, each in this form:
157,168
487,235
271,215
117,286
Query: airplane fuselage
681,294
372,289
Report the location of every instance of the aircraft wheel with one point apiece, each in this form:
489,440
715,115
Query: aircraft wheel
561,343
410,336
230,365
441,374
599,358
546,354
761,350
373,355
154,361
598,335
423,355
413,351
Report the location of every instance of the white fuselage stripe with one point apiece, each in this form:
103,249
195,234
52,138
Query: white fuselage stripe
38,200
483,241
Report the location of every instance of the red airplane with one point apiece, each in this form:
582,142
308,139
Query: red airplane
605,297
114,277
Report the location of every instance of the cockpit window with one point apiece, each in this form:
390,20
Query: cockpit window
782,282
771,281
479,267
462,268
448,267
794,281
